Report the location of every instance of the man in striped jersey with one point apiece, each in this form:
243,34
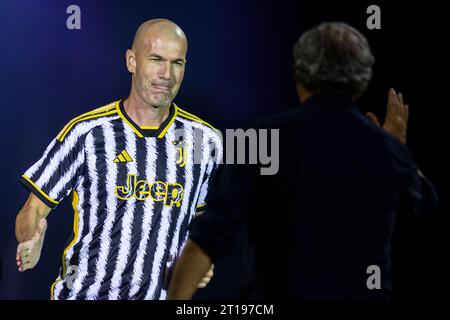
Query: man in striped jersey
135,180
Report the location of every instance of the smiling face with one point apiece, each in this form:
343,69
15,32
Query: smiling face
157,62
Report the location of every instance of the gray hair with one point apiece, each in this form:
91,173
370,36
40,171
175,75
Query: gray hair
333,57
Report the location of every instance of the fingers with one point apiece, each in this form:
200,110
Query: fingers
391,95
207,278
372,117
204,282
393,107
25,256
210,272
400,97
29,252
18,253
18,258
404,108
396,121
391,102
21,255
396,107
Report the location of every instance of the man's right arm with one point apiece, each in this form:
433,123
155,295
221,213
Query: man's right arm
31,225
50,180
28,218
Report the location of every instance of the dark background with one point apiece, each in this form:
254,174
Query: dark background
239,67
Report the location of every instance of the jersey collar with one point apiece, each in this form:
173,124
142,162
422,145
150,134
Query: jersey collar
148,131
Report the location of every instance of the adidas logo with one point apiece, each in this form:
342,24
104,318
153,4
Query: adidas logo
123,157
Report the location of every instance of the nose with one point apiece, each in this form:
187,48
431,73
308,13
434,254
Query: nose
165,70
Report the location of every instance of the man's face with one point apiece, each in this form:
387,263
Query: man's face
159,71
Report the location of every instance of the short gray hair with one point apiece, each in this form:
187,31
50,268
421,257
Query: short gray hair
333,57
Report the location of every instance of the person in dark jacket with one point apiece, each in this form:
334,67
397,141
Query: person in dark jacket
322,226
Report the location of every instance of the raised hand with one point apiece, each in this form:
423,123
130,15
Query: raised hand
396,121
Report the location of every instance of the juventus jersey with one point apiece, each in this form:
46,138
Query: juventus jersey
134,192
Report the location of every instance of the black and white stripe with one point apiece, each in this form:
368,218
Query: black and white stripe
163,231
91,156
127,223
148,217
111,206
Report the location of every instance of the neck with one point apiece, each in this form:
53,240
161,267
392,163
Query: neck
143,114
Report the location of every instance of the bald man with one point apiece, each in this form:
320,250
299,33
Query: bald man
129,168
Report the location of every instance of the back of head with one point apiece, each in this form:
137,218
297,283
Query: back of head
333,57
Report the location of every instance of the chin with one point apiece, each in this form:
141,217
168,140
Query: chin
158,103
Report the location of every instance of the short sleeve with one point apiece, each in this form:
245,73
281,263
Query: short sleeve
201,203
55,174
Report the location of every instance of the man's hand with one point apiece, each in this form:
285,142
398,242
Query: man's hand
190,268
207,278
397,114
29,252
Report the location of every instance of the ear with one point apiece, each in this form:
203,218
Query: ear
131,61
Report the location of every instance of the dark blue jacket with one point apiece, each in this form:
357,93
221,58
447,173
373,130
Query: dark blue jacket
328,214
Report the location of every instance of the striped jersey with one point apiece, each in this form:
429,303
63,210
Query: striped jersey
134,192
